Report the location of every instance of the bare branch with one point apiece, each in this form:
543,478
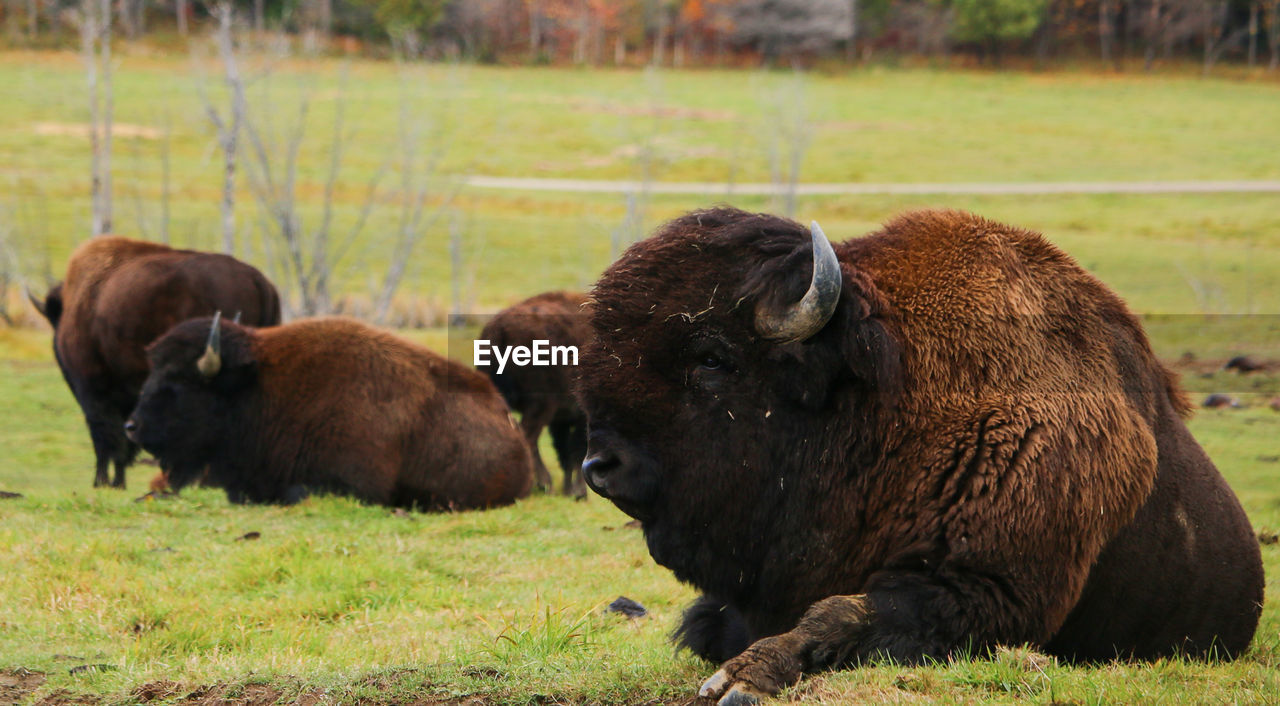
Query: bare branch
135,191
166,177
108,114
88,53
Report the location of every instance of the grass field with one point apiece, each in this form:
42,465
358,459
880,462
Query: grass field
337,602
344,602
871,125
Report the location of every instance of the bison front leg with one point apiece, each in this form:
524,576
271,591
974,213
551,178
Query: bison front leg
106,433
570,442
829,634
532,423
101,472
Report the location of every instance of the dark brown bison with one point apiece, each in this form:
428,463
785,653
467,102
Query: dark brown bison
118,296
1245,364
939,437
327,405
543,395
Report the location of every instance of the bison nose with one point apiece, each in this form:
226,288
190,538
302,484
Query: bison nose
621,472
597,467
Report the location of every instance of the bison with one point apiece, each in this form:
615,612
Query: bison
940,437
543,395
118,296
327,405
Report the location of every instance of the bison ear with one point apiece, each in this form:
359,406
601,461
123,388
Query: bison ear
235,376
854,348
867,346
239,371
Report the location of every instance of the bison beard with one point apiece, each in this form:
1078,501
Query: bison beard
327,405
968,442
120,295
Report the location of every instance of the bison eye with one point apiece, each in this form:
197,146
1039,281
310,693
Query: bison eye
711,361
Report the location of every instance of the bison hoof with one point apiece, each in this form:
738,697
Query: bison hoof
736,695
764,669
714,686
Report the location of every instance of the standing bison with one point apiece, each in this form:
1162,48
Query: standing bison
941,436
327,405
543,395
118,296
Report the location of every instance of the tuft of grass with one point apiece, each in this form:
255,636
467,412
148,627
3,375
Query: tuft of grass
1019,672
544,636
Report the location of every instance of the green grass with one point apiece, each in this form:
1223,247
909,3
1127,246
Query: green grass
506,605
345,602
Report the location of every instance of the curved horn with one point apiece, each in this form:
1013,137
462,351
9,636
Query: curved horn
236,319
211,362
39,305
807,317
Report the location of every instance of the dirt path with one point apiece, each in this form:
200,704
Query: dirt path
603,186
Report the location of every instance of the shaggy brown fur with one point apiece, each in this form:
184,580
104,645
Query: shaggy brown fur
118,296
543,395
329,405
978,448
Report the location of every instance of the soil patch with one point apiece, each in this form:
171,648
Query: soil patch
156,690
221,694
17,683
62,697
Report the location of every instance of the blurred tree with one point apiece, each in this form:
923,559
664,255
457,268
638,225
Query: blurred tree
699,32
1273,33
402,17
482,28
780,28
1108,12
917,26
1164,23
991,23
1219,34
1255,8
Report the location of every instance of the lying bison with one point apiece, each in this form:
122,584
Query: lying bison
939,437
327,405
543,395
118,296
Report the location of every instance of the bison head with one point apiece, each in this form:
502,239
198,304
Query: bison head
725,348
200,371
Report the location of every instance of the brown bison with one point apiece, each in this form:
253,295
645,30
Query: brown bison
327,405
543,395
939,437
118,296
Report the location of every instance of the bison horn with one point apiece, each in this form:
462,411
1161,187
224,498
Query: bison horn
211,362
39,305
236,319
806,317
